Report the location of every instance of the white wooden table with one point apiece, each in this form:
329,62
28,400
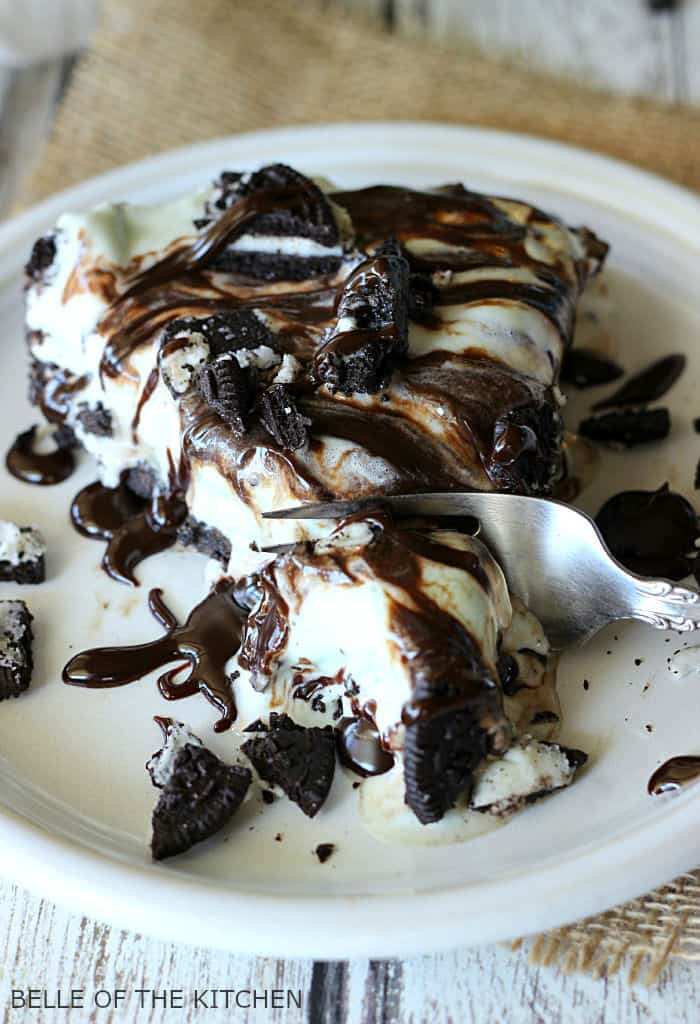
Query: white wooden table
621,45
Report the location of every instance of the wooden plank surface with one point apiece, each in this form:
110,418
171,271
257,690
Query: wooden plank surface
620,45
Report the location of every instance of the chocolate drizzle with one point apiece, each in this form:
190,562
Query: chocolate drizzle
209,638
43,468
134,528
653,533
360,747
674,774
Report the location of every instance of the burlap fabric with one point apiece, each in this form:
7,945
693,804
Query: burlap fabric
165,73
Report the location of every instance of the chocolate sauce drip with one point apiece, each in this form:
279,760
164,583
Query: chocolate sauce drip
360,747
648,385
209,638
33,467
134,528
674,774
57,393
652,533
266,629
146,394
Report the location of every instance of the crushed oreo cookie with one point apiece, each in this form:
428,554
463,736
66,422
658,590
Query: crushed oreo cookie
16,660
647,386
200,797
229,390
207,540
42,256
223,332
324,850
627,428
95,419
301,761
311,215
282,419
373,325
22,554
303,212
440,755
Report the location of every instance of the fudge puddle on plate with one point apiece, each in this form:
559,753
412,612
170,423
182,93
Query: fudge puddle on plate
269,341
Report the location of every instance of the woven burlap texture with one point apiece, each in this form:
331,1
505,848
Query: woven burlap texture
164,73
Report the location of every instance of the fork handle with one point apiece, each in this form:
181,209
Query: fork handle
665,605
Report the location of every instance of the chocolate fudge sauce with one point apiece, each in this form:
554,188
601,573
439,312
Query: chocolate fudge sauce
134,528
653,533
33,467
209,638
673,774
360,748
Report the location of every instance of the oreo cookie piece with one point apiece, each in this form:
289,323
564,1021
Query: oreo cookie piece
141,480
372,334
300,761
440,755
528,771
627,428
281,417
223,332
16,661
176,736
200,796
207,540
309,215
95,419
526,449
42,256
302,212
22,554
229,390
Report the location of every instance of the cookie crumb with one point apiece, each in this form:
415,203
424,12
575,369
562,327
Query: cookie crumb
324,850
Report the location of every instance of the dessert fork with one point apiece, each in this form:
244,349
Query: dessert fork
552,555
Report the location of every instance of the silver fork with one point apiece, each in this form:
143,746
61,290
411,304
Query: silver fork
553,557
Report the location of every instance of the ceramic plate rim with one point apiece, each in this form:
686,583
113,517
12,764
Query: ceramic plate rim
165,902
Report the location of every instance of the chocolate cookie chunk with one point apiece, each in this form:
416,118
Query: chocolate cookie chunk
282,419
304,210
201,796
627,428
22,554
300,761
209,541
440,755
16,661
229,391
223,332
95,419
526,452
43,255
373,314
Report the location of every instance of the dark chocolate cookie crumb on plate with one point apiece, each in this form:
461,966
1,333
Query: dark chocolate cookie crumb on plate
16,659
301,761
324,850
627,428
202,795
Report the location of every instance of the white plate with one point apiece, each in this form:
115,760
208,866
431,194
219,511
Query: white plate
76,801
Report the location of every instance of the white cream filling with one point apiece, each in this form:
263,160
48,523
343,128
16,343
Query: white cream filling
12,632
18,546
